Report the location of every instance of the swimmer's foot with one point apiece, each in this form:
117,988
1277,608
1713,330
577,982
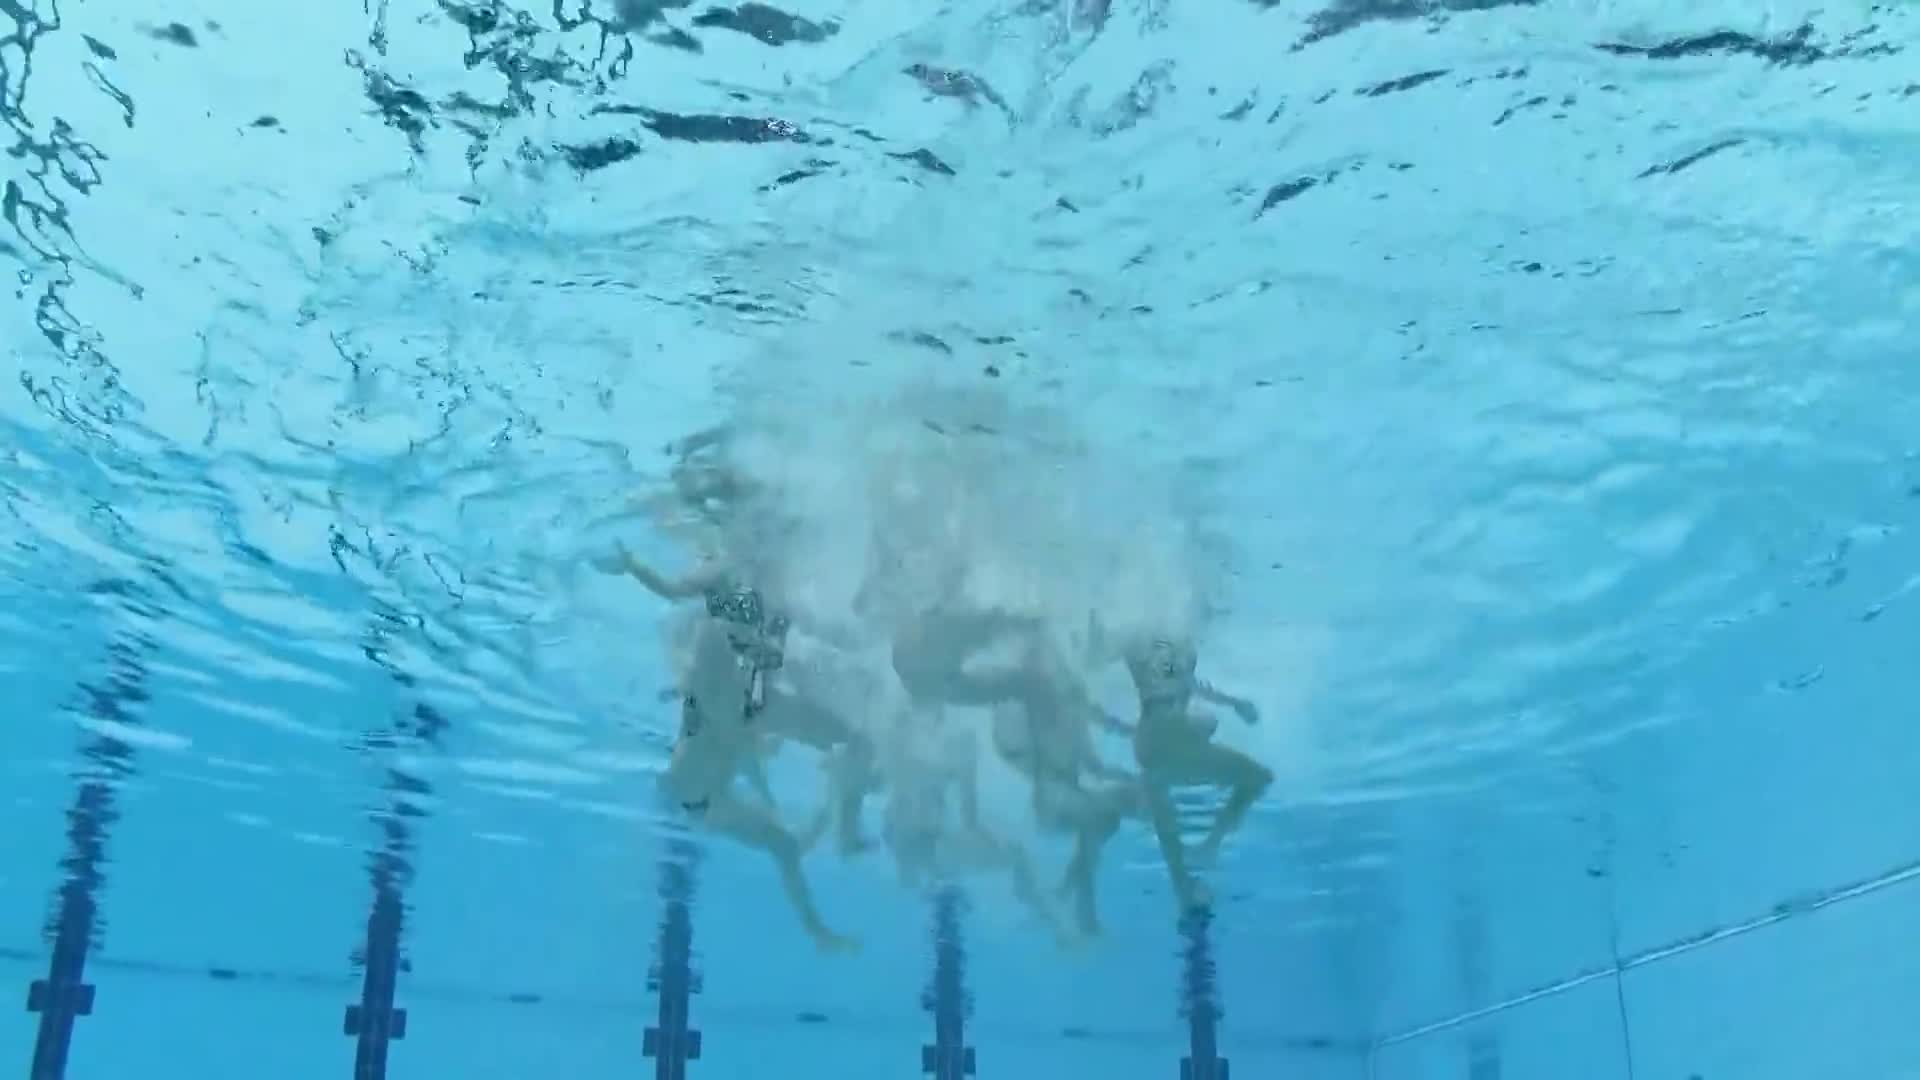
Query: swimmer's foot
614,562
1088,922
829,942
1195,897
1071,943
854,842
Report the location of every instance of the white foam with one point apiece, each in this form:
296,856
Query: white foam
878,500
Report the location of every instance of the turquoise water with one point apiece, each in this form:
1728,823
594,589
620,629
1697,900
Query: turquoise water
1529,388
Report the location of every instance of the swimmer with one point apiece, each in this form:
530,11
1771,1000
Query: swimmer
935,635
707,485
932,768
703,493
733,648
1039,705
1175,748
758,636
793,712
1047,738
931,651
702,480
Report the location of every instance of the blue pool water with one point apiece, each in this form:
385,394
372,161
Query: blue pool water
1526,391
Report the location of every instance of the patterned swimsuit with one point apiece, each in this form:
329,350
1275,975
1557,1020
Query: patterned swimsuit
758,641
1165,676
758,638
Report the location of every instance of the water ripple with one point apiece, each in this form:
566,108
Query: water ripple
1498,341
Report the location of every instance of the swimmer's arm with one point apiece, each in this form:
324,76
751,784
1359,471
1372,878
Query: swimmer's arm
831,634
699,440
1206,691
624,562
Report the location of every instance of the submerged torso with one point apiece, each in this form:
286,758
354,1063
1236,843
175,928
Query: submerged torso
713,732
1164,676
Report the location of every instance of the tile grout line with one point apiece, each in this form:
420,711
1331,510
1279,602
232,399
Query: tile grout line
1781,912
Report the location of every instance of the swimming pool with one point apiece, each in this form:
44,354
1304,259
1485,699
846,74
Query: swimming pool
1527,387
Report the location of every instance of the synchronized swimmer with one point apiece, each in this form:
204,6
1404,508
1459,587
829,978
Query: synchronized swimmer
738,704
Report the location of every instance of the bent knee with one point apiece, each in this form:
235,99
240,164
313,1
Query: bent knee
1245,773
783,845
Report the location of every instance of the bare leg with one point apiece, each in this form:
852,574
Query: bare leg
851,779
756,828
929,659
1027,890
1095,827
753,766
849,771
1166,827
967,776
979,850
795,717
817,828
1245,780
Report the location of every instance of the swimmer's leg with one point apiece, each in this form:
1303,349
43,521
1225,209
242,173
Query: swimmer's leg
1094,824
753,765
930,659
809,837
966,774
931,679
755,828
1026,889
851,778
1245,780
1166,828
699,440
983,849
849,773
797,718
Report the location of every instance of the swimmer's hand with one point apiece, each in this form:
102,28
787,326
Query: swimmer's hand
614,563
1241,706
623,562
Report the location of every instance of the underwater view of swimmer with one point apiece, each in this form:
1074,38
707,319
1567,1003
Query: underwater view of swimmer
735,644
1175,747
964,645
